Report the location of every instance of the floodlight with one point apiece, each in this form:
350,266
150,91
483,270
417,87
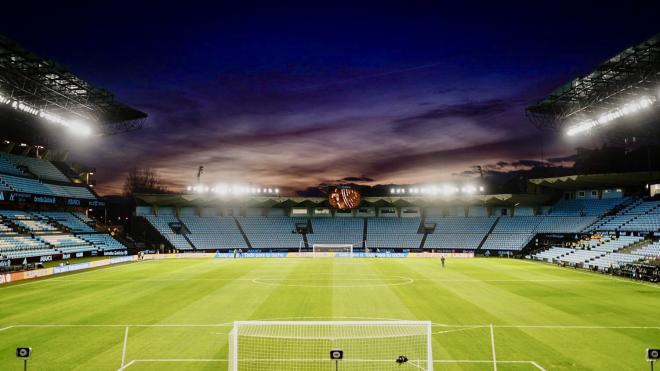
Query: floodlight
188,188
469,189
79,129
277,190
481,188
626,109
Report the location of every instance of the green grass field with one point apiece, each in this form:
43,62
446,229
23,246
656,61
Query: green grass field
175,314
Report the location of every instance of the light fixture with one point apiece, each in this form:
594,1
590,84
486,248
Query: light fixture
627,109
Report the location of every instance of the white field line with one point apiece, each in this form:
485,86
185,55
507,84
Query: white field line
492,347
458,327
166,360
583,327
456,330
123,350
126,366
537,365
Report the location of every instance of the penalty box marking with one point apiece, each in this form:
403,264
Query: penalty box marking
166,360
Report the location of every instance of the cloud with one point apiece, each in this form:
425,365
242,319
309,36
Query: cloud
361,178
464,109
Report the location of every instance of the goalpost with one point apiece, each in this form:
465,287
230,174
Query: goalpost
327,247
307,345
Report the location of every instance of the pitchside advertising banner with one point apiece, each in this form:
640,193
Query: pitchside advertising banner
231,255
19,276
22,197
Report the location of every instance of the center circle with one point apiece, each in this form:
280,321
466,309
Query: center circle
330,280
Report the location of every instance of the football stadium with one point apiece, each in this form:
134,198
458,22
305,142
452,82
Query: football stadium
550,270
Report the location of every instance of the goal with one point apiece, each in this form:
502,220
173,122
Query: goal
306,345
324,248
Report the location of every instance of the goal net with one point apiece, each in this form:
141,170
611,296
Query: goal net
324,248
306,345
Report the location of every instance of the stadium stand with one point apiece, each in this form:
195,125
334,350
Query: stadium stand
337,231
464,233
271,232
42,169
587,207
43,237
68,220
163,225
214,233
507,241
102,241
638,216
458,241
391,232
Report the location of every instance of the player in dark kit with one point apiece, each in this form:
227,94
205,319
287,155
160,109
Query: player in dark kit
442,260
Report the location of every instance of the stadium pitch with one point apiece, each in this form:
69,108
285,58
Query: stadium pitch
487,314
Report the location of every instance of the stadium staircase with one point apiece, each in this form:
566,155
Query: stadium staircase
245,237
483,240
185,231
635,246
364,233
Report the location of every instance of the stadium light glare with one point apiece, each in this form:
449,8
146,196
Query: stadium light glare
77,128
607,117
470,189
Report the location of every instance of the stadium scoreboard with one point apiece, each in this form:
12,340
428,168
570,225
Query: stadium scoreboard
344,198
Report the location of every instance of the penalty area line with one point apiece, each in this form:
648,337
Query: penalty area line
492,347
123,350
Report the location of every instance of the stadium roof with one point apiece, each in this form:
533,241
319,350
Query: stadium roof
633,73
200,200
595,181
48,86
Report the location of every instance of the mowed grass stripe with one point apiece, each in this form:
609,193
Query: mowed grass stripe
214,291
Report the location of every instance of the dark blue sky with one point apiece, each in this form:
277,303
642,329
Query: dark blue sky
294,94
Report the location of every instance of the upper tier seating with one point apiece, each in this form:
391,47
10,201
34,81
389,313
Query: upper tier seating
456,224
639,216
8,167
41,168
27,185
587,207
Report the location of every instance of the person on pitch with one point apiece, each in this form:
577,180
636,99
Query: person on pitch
442,260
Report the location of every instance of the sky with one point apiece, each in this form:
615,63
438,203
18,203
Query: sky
292,95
